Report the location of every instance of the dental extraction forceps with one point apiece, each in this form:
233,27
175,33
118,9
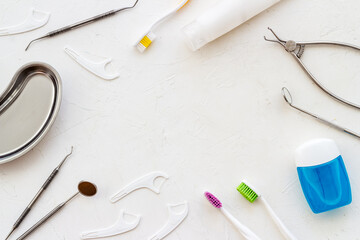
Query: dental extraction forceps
296,49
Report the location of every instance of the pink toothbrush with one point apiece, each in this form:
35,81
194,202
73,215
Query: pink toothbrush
246,232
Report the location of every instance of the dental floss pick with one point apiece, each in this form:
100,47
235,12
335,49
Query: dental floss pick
146,181
119,227
97,68
175,219
29,24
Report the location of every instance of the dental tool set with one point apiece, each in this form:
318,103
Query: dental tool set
30,104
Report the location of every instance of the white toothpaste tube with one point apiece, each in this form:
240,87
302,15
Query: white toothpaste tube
222,18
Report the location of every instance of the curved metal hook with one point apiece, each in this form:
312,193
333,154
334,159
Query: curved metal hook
66,157
287,95
122,9
37,39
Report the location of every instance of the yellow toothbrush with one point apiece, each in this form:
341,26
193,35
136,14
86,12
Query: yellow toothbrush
149,37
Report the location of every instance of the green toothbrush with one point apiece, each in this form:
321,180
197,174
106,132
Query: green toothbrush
251,195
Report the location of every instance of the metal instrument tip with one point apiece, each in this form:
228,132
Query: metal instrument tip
68,155
72,148
29,45
287,95
35,41
10,233
277,40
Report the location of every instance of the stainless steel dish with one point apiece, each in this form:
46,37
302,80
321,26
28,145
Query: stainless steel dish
28,108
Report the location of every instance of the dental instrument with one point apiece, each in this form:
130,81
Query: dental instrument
296,49
245,231
38,194
97,68
175,219
29,24
288,98
251,195
87,189
81,23
150,36
147,181
119,227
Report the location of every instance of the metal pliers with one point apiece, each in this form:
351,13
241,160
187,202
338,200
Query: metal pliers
296,49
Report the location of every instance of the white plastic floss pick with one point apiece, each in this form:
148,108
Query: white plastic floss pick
34,20
97,68
147,181
175,219
222,18
121,226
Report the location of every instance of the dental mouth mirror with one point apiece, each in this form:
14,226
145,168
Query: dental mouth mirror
80,24
87,189
288,98
38,194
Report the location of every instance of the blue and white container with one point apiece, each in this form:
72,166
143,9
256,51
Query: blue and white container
323,175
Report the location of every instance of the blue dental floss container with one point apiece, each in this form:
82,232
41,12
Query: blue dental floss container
323,175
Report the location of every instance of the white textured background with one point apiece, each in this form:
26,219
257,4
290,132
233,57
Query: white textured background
208,119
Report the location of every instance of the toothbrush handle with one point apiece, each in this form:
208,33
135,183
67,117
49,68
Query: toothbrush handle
285,232
246,232
168,14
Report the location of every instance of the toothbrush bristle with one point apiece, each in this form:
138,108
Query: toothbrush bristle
145,42
213,200
247,192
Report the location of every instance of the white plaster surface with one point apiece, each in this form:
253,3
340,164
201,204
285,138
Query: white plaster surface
208,119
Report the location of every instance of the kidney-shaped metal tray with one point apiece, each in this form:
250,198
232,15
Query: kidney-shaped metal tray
28,108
